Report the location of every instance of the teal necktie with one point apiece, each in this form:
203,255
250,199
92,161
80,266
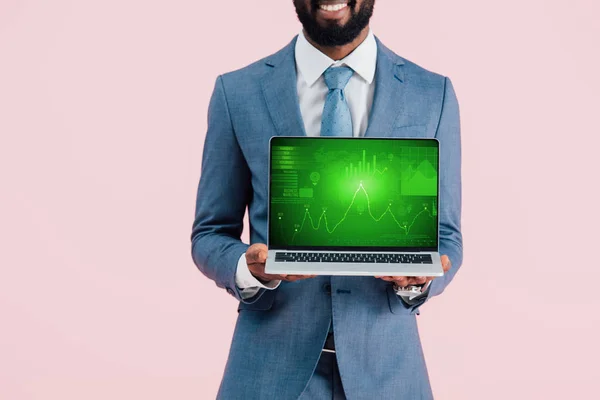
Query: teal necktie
336,120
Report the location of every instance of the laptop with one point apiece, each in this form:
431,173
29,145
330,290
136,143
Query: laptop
353,206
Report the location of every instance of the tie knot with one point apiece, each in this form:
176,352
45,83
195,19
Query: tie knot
337,77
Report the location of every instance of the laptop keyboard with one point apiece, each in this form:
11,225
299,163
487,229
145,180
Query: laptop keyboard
400,258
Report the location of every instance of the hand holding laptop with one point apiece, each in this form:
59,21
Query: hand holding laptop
256,256
404,281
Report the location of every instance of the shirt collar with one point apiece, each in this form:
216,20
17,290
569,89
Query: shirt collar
311,63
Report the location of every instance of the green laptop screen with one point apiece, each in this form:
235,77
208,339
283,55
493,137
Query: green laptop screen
353,193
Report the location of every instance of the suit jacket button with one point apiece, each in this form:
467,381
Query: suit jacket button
327,288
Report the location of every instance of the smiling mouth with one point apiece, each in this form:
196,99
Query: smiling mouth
333,7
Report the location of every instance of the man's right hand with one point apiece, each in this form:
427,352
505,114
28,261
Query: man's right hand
256,256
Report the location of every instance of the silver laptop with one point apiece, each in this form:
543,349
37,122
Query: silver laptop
353,206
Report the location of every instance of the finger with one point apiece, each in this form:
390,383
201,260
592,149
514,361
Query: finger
419,280
446,263
399,280
257,255
294,278
287,278
260,246
410,280
262,255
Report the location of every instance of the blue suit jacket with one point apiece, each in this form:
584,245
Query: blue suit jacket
279,334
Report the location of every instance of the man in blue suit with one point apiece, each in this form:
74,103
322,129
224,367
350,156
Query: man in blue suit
320,337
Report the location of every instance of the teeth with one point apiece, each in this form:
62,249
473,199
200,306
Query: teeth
333,7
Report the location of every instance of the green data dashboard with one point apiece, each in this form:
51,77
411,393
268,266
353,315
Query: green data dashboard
347,192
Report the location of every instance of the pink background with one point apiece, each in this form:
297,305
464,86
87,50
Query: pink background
102,115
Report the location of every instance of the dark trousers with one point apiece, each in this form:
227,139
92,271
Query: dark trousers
325,384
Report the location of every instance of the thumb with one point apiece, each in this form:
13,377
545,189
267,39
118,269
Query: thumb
257,253
446,264
262,255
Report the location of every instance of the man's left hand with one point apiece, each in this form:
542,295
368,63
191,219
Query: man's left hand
403,281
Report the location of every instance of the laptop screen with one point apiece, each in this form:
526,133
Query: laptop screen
353,194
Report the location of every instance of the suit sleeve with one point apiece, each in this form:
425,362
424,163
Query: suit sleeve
451,243
224,192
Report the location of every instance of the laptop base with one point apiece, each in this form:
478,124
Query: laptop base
354,269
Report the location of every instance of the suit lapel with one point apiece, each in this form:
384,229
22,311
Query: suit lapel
389,101
281,94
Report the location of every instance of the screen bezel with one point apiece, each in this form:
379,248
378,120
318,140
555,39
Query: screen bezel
354,248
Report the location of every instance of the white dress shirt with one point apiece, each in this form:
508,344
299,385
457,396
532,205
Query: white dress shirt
311,63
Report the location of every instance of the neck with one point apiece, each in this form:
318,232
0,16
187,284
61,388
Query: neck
337,53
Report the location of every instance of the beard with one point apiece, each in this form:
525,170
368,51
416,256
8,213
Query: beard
333,34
